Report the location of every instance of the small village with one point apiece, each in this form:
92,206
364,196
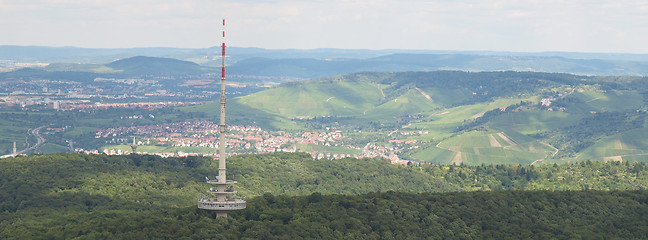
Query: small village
202,136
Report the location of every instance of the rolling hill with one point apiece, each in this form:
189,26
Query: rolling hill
130,67
140,65
375,96
456,112
473,118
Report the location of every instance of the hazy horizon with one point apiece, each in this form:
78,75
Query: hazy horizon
476,51
510,26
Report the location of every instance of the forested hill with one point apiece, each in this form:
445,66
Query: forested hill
141,65
377,94
321,67
326,62
156,181
475,117
467,215
130,67
66,196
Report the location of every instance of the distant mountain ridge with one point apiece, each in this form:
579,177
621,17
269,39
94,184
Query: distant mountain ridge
315,68
155,65
400,62
51,54
128,67
310,63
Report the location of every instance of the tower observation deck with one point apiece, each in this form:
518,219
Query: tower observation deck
225,200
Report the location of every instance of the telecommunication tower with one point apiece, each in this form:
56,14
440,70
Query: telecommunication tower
134,145
225,200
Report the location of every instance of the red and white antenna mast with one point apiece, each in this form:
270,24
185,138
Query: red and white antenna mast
223,203
222,126
223,65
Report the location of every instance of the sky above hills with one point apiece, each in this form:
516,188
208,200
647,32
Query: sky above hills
499,25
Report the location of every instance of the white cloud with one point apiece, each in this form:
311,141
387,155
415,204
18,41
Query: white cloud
515,25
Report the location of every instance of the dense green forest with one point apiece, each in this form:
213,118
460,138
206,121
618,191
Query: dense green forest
63,196
292,174
388,215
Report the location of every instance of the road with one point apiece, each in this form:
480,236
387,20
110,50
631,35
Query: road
39,141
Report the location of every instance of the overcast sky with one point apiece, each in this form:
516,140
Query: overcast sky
500,25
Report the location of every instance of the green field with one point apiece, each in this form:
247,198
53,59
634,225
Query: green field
612,100
534,121
325,97
77,131
590,99
632,146
441,123
489,147
448,97
412,102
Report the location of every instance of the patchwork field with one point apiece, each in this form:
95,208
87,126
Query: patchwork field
488,147
632,145
592,99
534,121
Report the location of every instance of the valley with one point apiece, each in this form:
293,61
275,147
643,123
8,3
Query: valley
377,120
547,155
440,117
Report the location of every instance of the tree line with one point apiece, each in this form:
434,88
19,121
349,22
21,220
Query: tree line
291,195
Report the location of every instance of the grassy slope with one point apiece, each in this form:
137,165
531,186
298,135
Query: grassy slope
241,114
534,121
477,149
631,145
598,100
325,97
441,123
412,102
488,147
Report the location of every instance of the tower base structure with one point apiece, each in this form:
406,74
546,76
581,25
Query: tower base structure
222,203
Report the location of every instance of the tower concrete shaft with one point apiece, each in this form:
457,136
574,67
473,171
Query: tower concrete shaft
222,204
222,155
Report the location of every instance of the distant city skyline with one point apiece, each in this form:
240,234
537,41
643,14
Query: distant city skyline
497,25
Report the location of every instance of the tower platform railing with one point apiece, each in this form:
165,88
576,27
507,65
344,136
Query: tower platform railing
227,205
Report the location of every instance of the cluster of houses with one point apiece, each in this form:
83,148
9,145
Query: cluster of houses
249,139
